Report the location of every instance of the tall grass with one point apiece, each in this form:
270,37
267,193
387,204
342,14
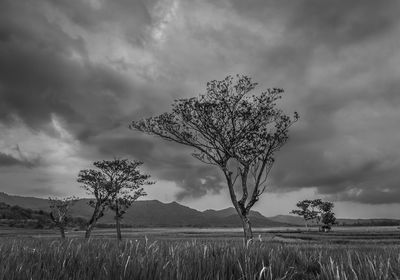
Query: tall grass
131,259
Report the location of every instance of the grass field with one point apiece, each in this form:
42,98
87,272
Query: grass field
201,254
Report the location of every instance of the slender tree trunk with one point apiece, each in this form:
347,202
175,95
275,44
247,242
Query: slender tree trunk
62,232
118,225
89,229
90,225
117,222
248,233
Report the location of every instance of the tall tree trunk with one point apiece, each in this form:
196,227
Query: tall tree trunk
240,209
246,224
62,232
89,229
248,233
117,222
118,225
92,222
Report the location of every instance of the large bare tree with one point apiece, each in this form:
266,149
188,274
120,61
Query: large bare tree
232,129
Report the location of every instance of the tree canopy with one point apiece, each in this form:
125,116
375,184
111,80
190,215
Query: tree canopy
228,124
115,184
316,210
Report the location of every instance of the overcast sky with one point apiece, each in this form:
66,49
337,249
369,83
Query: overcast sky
74,74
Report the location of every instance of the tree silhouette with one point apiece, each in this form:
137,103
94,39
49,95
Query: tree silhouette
231,129
317,210
125,184
327,216
96,184
60,212
306,210
116,184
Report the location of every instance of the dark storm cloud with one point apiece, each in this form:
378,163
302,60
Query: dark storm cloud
97,65
47,72
39,75
356,162
8,160
307,27
133,15
330,22
344,158
374,196
335,23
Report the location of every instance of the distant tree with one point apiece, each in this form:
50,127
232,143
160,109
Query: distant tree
60,212
231,129
97,184
123,184
306,211
328,218
316,210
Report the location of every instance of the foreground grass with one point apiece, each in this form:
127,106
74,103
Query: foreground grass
131,259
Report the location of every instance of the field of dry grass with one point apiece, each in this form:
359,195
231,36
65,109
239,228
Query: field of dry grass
200,254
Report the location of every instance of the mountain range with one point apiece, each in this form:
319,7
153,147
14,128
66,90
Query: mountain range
153,213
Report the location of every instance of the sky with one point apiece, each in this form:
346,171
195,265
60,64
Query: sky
74,74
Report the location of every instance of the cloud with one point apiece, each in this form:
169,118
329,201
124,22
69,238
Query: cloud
8,160
15,157
47,67
76,73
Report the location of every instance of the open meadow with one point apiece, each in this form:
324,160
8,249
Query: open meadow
189,253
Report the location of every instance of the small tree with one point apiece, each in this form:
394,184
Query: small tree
97,184
328,218
316,210
305,211
231,129
124,183
60,212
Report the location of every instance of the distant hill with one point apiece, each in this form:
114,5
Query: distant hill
33,203
153,213
288,219
224,213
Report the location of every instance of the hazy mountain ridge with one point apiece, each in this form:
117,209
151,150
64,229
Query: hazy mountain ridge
289,219
149,213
